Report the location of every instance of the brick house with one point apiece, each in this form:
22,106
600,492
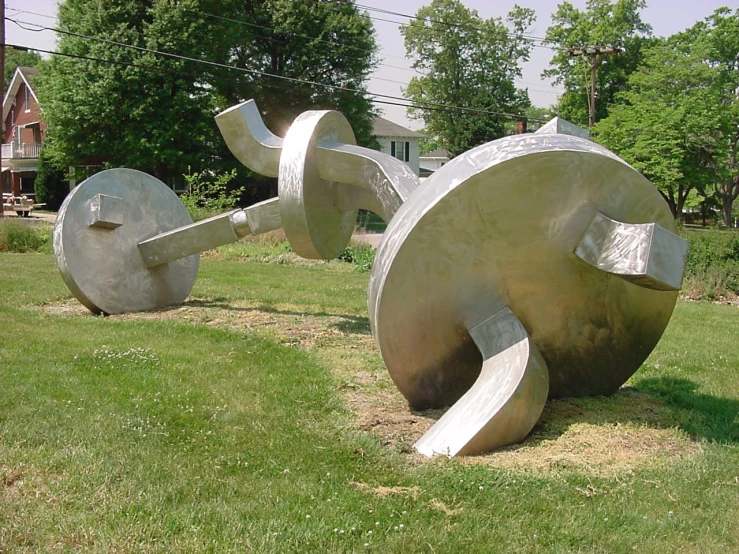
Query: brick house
23,134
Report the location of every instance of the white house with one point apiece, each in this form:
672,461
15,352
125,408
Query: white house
398,141
431,161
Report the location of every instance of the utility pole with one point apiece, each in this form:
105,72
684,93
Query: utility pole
590,57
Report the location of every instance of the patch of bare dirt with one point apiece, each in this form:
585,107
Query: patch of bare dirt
437,504
595,435
384,492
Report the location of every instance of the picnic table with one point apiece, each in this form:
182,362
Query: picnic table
22,205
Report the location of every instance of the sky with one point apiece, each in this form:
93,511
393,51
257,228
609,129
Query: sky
665,16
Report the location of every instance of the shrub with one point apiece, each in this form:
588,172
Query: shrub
360,254
208,195
51,186
712,269
19,237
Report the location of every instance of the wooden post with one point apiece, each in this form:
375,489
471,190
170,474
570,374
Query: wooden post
590,57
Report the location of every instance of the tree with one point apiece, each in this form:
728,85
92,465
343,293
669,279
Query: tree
133,107
666,124
679,123
307,42
602,23
50,185
123,106
716,41
18,58
536,116
468,62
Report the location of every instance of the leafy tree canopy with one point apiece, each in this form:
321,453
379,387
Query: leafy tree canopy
678,121
155,113
331,43
470,62
601,23
18,58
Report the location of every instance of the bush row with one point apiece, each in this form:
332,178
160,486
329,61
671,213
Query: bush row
712,270
22,236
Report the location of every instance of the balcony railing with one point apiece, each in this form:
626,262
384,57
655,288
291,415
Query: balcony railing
19,151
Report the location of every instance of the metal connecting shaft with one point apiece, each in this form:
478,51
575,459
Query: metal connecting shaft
379,182
211,233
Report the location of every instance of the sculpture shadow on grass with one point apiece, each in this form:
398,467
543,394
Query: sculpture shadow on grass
353,324
654,403
701,415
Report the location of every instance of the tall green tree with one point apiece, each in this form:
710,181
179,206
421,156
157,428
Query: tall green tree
678,123
716,42
469,62
123,106
18,58
666,124
329,43
601,23
153,112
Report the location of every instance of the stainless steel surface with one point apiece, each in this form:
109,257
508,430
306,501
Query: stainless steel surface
323,176
102,266
563,127
263,217
506,400
498,226
644,254
106,211
188,240
249,139
210,233
312,221
388,181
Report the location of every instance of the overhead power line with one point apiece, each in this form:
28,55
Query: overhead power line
265,27
378,98
159,69
406,102
447,23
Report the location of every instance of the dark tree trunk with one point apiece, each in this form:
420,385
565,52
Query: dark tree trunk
726,205
727,193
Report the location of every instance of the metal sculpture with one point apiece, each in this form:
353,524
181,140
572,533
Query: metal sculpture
534,266
124,242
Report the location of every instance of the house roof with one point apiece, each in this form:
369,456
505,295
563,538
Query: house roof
22,75
383,128
438,153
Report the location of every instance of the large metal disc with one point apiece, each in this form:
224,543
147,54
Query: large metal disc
498,226
100,260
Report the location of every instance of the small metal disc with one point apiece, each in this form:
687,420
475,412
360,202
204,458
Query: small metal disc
96,238
498,226
311,218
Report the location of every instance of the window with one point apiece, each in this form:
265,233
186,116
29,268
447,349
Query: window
28,98
400,150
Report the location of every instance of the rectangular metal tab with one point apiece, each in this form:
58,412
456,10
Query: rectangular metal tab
106,211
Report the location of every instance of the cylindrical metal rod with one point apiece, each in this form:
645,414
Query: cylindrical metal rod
211,233
388,180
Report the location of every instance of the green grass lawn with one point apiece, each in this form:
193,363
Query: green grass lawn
258,417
